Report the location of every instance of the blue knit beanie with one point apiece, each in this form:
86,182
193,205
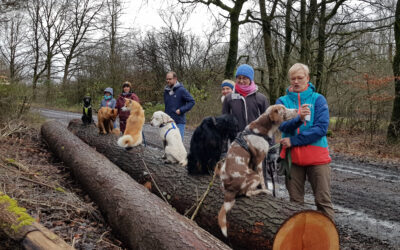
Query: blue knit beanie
228,83
245,70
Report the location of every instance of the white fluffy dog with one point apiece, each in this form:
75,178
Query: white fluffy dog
172,140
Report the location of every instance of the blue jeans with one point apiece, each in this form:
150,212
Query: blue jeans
181,129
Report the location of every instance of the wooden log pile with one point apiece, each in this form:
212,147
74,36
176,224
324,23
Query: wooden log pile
252,223
139,218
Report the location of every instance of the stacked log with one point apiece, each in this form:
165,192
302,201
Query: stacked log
252,223
139,218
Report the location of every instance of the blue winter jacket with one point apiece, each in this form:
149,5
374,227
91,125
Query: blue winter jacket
308,139
177,98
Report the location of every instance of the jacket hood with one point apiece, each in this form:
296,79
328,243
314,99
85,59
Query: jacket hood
177,85
109,90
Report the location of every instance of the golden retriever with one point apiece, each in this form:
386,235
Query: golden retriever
134,125
105,119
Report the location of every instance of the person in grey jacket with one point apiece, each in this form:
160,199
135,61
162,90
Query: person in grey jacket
108,100
245,102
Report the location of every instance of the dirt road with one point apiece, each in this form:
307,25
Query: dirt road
366,196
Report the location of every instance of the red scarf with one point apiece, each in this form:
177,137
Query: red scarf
244,90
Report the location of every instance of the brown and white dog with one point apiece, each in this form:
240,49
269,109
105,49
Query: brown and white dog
241,173
134,124
174,151
105,119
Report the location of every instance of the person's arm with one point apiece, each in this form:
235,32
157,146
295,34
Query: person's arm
113,103
225,105
291,125
101,104
264,104
319,127
189,102
135,97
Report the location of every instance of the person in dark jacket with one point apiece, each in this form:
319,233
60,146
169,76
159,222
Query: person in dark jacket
245,102
306,138
177,101
126,93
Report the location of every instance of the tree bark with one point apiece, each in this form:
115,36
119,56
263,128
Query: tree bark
139,218
19,226
252,223
393,134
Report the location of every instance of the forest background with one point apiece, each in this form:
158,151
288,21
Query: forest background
54,52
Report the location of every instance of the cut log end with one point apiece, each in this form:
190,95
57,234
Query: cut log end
307,230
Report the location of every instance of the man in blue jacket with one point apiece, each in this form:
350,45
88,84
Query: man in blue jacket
177,101
306,138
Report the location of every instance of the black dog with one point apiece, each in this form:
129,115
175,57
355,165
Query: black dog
208,141
87,111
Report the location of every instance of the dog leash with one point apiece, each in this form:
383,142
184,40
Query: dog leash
285,164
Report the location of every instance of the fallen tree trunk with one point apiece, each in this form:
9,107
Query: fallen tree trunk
139,218
20,226
252,223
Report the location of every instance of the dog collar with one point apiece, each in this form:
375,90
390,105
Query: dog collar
171,128
163,125
242,142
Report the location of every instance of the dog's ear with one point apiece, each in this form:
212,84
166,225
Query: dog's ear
166,118
274,115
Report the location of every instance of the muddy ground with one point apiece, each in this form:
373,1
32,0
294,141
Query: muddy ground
365,193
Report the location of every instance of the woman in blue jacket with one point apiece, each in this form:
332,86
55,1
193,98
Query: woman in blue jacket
306,138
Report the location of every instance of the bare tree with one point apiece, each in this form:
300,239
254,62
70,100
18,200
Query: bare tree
82,16
12,45
393,134
234,14
48,26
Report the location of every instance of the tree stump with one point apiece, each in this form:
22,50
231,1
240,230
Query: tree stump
139,218
252,223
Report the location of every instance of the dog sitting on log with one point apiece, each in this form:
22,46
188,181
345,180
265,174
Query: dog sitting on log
134,124
241,173
105,119
208,141
174,150
87,111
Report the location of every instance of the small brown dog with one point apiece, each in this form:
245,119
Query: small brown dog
133,131
105,119
241,173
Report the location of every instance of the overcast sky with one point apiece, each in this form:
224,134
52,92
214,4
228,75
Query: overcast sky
138,14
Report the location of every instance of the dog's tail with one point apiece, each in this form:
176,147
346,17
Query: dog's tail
125,141
229,201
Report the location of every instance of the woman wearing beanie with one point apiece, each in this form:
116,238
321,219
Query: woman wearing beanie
126,93
245,102
226,88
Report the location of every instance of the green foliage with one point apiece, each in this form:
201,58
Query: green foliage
23,217
199,94
150,108
14,102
